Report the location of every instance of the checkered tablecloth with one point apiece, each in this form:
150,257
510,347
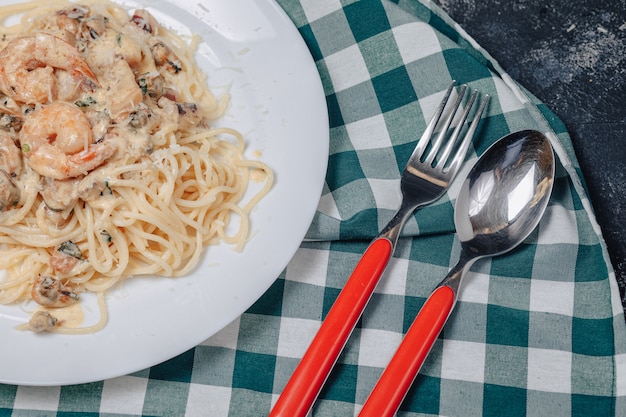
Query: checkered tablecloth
537,332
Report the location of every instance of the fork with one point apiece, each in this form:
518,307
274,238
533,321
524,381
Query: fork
426,177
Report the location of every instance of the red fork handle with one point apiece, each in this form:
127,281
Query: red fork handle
307,380
396,379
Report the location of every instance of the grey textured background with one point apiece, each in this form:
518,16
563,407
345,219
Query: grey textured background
571,54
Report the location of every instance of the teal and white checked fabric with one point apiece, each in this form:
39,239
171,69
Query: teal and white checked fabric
537,332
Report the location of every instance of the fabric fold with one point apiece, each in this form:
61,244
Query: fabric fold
525,317
383,78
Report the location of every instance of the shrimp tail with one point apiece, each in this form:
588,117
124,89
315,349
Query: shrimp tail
49,161
89,159
82,72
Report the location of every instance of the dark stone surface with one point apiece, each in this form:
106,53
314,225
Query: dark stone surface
571,54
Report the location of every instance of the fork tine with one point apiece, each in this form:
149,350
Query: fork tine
457,131
430,128
444,130
460,154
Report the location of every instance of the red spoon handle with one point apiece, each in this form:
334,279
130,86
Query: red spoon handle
397,378
306,382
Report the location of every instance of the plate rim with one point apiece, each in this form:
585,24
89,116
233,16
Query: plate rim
316,92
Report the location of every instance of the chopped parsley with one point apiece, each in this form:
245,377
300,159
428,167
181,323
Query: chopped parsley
71,249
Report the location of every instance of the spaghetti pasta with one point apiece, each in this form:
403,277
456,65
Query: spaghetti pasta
109,166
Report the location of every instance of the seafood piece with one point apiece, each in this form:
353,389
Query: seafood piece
54,218
164,57
28,65
185,114
10,122
162,54
69,18
77,21
58,195
108,47
145,21
111,60
100,122
52,162
10,167
9,192
153,86
141,117
189,115
10,155
60,123
58,142
10,114
66,87
51,292
129,49
92,27
42,321
65,257
121,79
93,186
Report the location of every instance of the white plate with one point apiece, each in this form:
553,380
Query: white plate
253,50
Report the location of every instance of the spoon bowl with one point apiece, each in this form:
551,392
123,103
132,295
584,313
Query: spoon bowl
505,194
499,204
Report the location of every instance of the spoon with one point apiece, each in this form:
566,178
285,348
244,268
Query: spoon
499,205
